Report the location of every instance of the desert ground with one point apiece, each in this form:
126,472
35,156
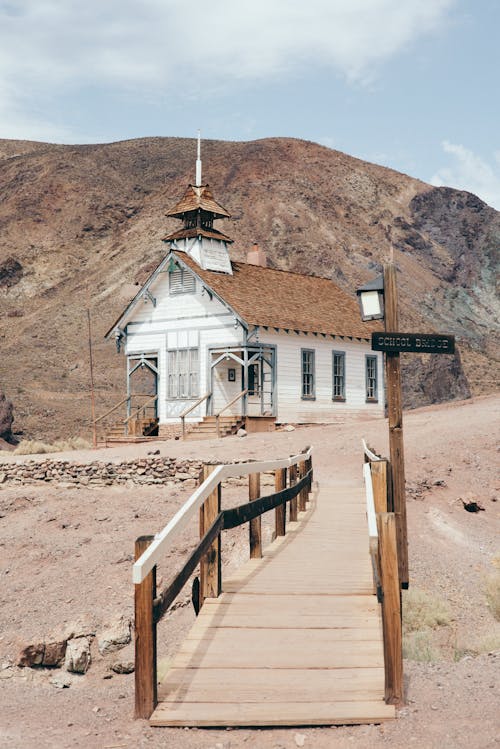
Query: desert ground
65,566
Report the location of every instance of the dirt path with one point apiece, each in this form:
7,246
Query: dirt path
65,564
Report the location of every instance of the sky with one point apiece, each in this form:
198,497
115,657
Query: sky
409,84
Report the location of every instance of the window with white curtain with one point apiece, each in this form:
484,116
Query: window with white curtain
183,375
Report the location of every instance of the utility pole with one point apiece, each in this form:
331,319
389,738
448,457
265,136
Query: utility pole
395,415
92,397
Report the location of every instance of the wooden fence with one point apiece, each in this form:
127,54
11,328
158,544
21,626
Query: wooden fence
384,554
293,477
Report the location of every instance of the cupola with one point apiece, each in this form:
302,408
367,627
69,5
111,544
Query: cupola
197,209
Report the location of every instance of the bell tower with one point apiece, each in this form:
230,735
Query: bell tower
197,209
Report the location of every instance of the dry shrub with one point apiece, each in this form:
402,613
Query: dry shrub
487,644
417,646
35,447
421,610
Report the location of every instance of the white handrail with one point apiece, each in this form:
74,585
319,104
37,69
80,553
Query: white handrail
157,548
370,505
369,454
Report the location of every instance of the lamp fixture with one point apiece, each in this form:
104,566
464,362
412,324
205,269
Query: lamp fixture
371,299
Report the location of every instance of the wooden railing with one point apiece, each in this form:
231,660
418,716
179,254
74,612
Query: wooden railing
384,555
228,405
150,606
188,410
99,423
143,407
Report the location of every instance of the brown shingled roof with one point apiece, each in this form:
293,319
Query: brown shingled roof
290,301
197,231
198,197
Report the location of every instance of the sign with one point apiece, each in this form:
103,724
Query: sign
416,343
214,256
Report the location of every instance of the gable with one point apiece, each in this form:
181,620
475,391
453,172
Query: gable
173,290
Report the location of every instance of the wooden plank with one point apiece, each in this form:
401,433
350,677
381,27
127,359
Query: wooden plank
331,654
145,638
210,564
280,685
271,713
379,481
289,603
294,503
280,512
391,608
255,525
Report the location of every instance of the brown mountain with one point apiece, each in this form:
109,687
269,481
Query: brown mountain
81,225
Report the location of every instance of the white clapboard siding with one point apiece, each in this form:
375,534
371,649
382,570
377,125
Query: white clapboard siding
201,321
180,321
291,406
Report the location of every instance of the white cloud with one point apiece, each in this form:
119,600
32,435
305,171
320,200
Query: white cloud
470,172
53,47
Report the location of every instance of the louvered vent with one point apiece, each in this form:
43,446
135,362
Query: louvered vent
182,282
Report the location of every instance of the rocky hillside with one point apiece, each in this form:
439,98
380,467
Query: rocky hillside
82,225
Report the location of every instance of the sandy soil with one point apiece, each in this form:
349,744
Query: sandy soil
65,565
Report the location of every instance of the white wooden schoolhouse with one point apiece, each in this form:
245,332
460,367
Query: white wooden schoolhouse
252,344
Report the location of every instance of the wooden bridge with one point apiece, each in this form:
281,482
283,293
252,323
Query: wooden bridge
296,636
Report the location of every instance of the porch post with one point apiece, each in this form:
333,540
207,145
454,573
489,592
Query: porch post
245,376
128,388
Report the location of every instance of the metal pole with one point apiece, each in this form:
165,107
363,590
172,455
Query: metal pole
395,416
92,397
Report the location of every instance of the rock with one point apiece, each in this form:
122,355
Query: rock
54,653
300,739
78,656
61,681
123,667
42,654
116,637
289,428
3,477
241,433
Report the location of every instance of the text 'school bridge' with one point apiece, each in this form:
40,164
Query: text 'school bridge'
295,638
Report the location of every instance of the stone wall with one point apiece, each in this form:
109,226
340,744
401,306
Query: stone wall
150,470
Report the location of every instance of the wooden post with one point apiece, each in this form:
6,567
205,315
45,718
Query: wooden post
395,414
145,638
280,511
391,608
210,565
255,525
292,474
379,482
304,492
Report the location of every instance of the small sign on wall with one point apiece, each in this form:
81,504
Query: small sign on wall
231,374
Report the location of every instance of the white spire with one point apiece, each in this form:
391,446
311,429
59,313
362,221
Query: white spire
198,162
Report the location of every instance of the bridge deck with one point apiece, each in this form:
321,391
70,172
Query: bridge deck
295,638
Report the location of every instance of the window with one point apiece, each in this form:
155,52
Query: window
253,379
338,376
371,378
181,281
183,373
308,374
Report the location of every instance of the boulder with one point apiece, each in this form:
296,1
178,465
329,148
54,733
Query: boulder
115,637
43,654
123,667
78,656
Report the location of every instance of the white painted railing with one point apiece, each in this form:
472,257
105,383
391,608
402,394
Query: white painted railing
369,454
370,506
164,538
